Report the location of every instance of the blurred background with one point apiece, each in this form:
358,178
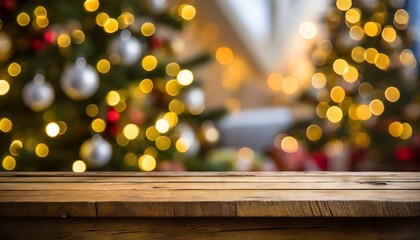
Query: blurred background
222,85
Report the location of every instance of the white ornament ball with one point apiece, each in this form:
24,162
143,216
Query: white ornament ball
186,133
38,94
125,48
79,81
194,99
96,152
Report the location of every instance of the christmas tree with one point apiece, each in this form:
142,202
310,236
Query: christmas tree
365,94
97,85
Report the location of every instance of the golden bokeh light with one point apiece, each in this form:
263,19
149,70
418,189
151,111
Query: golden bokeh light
313,132
274,81
401,17
224,55
91,5
163,143
389,34
176,106
146,85
187,12
151,133
103,66
172,69
147,163
79,166
371,54
339,66
289,85
407,131
63,40
40,11
382,61
131,131
23,19
4,87
289,144
130,159
8,163
337,94
357,33
148,29
6,125
15,147
98,125
246,153
321,109
392,94
162,125
185,77
113,98
363,140
182,145
396,129
173,87
92,110
14,69
149,63
358,54
408,59
110,25
42,150
372,29
334,114
52,129
318,80
101,19
78,36
377,107
353,15
363,112
308,30
350,74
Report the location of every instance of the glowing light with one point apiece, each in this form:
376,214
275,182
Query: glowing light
350,74
372,29
337,94
363,140
113,98
246,153
130,159
79,166
313,132
357,33
176,106
14,69
23,19
149,63
147,163
224,55
9,163
187,12
103,66
101,19
211,134
307,30
231,79
274,81
363,112
40,11
42,150
125,20
353,15
392,94
15,147
407,131
91,5
163,143
173,87
343,5
146,85
42,21
4,87
396,129
289,144
52,129
92,110
289,85
6,125
98,125
63,40
334,114
358,54
172,69
148,29
78,36
382,61
185,77
321,109
333,148
111,25
131,131
339,65
162,126
171,118
407,59
371,54
389,34
318,80
377,107
182,145
401,17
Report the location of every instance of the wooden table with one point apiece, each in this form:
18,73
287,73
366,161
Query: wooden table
266,205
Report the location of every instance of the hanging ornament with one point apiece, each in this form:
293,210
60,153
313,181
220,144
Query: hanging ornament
187,135
125,49
79,81
194,100
38,94
96,152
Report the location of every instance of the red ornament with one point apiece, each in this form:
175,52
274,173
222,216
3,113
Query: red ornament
8,4
112,116
38,45
112,130
50,36
321,160
403,153
156,42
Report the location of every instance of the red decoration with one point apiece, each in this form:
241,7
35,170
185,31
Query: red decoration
38,45
8,4
50,36
321,160
112,130
403,153
156,42
112,116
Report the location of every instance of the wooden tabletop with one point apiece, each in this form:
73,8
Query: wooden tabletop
210,194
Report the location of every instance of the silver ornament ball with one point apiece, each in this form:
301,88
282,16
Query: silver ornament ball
194,99
125,48
79,81
38,94
96,152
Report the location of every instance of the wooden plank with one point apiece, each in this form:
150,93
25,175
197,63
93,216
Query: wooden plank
211,228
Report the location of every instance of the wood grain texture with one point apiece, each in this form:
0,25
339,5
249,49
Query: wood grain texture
211,228
260,194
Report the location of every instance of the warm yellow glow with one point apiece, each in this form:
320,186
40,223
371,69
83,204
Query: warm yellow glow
146,85
148,29
6,125
103,66
274,81
408,59
289,85
353,15
131,131
363,140
313,132
358,54
98,125
4,87
111,25
42,150
113,98
79,166
152,151
91,5
185,77
318,80
9,163
173,87
233,104
307,30
392,94
172,69
147,163
187,12
125,20
23,19
130,159
372,29
333,147
151,133
401,17
14,69
382,61
42,21
389,34
321,109
101,19
63,40
171,118
163,143
337,94
224,55
396,129
246,153
334,114
407,131
363,112
357,33
339,65
377,107
52,129
231,79
92,110
289,144
371,54
343,5
162,126
78,36
211,134
350,74
149,63
15,147
176,106
182,145
122,140
40,11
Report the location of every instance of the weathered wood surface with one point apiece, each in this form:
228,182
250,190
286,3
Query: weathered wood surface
274,194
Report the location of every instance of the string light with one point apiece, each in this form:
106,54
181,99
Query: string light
4,87
307,30
147,163
41,150
52,129
131,131
224,55
148,29
187,12
149,63
9,163
289,144
79,166
185,77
